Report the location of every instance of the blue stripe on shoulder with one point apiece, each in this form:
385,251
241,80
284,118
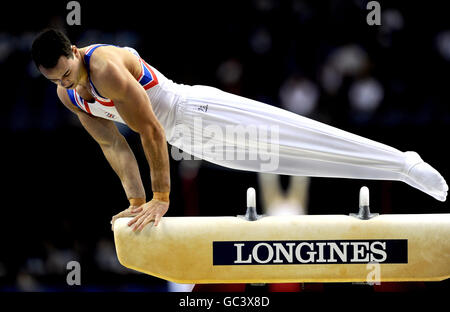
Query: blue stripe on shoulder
87,59
147,77
87,56
71,94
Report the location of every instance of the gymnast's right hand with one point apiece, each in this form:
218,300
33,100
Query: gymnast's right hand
154,210
133,210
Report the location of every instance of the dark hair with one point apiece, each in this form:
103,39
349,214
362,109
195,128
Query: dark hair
49,46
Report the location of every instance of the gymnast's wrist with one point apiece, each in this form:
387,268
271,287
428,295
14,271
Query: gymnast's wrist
162,196
136,201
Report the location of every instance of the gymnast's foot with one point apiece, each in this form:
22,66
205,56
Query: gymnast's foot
421,175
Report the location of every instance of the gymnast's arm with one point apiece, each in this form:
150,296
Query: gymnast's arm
114,147
114,81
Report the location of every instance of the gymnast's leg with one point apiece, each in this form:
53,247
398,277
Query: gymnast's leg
304,147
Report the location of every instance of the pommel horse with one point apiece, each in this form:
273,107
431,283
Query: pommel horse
288,249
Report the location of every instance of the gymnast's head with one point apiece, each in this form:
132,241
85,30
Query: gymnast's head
57,59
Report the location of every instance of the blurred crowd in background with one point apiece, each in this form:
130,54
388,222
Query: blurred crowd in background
319,59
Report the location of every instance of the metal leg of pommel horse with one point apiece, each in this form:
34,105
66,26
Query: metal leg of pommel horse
364,209
250,215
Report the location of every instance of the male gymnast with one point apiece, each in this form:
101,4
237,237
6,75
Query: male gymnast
103,84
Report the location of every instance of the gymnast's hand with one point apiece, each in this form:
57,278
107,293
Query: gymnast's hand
131,211
153,210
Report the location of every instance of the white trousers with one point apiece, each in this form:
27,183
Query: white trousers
239,133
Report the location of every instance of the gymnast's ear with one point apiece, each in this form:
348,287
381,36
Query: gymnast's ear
75,50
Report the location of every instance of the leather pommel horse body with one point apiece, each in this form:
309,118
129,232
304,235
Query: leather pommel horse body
283,249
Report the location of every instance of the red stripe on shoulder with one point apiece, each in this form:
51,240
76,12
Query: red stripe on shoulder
109,103
86,105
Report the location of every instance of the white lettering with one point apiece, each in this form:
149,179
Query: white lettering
380,252
357,251
310,253
239,255
341,253
255,253
315,252
321,259
288,255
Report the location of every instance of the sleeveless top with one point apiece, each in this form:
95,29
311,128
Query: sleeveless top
163,93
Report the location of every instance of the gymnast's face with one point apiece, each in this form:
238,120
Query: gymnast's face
67,72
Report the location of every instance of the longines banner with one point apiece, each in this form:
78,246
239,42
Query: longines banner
310,252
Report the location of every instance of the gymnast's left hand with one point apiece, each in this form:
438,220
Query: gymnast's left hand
154,210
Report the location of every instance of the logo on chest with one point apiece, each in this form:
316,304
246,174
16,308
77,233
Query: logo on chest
109,115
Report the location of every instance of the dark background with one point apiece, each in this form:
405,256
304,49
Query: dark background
59,192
